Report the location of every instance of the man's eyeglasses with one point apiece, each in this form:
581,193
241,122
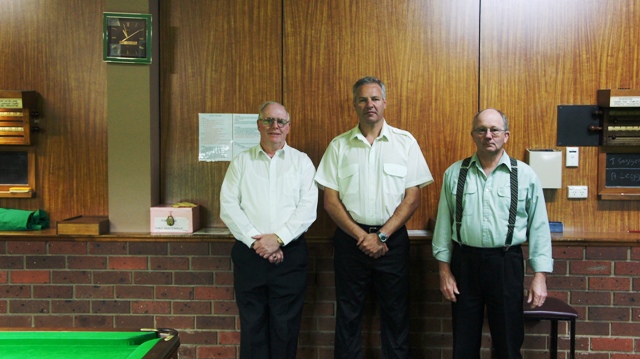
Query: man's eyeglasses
481,131
269,121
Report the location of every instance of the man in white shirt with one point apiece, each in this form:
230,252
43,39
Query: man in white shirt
371,177
268,200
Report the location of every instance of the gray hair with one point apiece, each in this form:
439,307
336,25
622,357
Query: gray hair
366,81
504,117
267,103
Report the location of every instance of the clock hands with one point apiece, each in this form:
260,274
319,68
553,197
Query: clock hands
126,38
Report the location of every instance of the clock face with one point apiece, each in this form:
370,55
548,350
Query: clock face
127,38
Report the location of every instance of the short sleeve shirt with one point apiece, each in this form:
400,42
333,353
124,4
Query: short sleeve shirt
372,179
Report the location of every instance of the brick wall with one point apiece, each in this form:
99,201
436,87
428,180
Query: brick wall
188,286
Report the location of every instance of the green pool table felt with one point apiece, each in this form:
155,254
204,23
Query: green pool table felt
76,345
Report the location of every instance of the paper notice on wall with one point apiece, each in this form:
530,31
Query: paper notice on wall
245,132
625,101
223,135
215,137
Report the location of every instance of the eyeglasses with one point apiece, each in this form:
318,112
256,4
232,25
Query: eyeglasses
269,121
483,131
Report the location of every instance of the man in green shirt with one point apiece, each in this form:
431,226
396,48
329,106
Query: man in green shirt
489,205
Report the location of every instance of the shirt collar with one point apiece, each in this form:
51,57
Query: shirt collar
281,152
384,132
504,160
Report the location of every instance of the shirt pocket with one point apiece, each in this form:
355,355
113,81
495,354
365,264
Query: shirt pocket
348,179
468,202
505,196
394,178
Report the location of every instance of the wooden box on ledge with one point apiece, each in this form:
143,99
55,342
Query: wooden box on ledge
84,225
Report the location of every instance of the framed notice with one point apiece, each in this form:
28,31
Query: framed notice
619,173
17,172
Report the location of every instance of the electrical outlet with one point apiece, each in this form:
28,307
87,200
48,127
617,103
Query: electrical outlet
578,191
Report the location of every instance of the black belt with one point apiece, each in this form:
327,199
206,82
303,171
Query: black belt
470,249
370,229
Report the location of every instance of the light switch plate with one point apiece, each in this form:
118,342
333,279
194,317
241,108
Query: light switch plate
572,157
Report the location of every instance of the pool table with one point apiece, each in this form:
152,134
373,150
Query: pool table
88,344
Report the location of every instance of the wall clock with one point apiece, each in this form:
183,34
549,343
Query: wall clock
127,37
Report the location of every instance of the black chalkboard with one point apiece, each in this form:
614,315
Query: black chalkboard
623,170
14,167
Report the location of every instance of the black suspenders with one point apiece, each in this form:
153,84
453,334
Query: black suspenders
462,180
513,208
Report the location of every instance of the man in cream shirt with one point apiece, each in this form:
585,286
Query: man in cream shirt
371,177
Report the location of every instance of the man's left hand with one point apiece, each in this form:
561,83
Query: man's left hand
266,244
538,290
277,257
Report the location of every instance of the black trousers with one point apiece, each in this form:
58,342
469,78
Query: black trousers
270,299
492,279
389,274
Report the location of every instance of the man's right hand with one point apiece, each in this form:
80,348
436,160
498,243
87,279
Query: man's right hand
370,244
448,285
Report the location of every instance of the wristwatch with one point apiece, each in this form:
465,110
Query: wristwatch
382,237
280,242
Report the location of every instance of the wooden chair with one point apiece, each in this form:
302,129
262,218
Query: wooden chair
554,309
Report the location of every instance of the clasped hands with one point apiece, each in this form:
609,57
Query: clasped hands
267,247
370,244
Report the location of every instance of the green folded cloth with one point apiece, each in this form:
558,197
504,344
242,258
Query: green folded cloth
22,220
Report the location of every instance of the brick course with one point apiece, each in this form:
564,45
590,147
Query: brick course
189,286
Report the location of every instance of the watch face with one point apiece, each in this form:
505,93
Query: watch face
127,38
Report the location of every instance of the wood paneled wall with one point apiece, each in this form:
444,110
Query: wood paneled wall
55,48
426,53
441,61
536,55
216,57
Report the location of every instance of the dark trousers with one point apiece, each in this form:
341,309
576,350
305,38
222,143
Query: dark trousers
389,274
270,299
492,279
